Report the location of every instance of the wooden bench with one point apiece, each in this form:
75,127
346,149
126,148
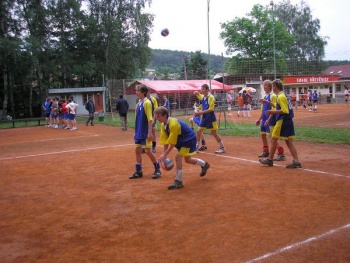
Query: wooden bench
26,120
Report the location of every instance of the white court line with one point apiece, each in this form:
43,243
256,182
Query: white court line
105,147
68,151
54,139
298,244
279,165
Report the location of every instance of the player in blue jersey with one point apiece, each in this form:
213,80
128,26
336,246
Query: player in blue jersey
47,110
176,134
154,103
143,132
314,100
208,120
284,128
197,120
268,122
264,120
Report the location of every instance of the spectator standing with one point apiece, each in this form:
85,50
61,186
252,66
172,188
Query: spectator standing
167,104
346,96
240,105
122,106
47,110
314,100
71,108
309,99
246,103
294,100
90,107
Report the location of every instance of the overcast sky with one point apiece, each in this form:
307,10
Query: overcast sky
188,24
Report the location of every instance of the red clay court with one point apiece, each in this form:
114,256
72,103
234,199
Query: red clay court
66,197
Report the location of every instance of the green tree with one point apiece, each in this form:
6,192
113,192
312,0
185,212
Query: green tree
252,37
299,22
198,66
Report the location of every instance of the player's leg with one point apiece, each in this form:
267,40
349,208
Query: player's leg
138,157
218,140
293,151
153,158
199,134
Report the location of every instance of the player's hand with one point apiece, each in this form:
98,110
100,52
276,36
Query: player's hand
267,123
161,158
257,123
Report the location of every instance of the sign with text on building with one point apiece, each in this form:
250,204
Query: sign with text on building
310,79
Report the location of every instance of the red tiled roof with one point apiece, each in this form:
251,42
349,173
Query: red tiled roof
342,70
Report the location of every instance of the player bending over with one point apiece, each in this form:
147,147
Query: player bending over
175,133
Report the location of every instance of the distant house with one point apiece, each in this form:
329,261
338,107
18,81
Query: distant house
80,95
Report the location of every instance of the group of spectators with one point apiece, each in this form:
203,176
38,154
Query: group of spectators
60,113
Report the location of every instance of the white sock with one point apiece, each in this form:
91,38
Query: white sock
178,175
221,144
200,162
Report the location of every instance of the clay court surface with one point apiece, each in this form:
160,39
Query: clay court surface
66,197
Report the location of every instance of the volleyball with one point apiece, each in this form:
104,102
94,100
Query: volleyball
167,164
164,32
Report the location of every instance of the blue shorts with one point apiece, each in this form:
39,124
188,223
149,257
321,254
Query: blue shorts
53,116
196,120
71,116
188,150
143,143
284,129
264,129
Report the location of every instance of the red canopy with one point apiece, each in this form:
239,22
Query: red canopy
178,86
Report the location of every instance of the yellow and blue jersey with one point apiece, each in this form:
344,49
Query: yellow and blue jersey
285,105
143,114
207,103
177,133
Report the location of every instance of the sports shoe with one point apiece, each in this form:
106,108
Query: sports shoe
204,169
136,175
221,150
264,154
266,161
202,148
294,164
153,149
280,157
176,184
143,151
156,174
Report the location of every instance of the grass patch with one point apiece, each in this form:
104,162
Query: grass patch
306,134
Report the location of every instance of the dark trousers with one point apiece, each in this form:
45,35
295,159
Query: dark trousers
91,118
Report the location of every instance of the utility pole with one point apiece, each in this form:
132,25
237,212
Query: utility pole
273,35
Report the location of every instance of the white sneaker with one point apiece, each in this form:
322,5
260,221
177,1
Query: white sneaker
73,129
221,150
